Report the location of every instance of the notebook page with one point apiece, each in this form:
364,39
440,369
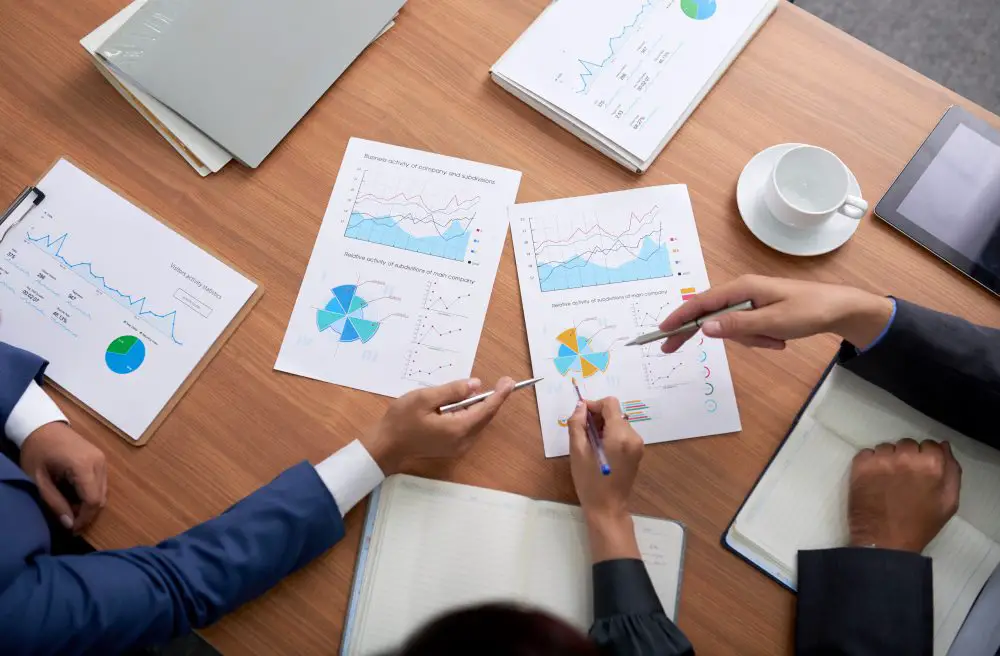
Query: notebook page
779,518
560,578
437,546
865,415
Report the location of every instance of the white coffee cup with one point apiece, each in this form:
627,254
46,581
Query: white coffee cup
808,186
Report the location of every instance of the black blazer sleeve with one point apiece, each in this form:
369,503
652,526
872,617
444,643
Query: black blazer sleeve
864,602
943,366
628,617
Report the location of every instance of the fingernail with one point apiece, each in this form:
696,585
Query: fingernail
506,384
711,328
580,404
474,383
66,521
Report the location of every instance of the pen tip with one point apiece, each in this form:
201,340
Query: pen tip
632,343
606,469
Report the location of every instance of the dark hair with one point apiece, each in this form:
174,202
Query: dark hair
499,630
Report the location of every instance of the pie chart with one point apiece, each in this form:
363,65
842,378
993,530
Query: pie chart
125,354
344,314
576,355
698,9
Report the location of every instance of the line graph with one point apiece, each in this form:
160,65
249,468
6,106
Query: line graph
581,252
165,323
446,299
411,222
438,332
648,313
590,68
428,366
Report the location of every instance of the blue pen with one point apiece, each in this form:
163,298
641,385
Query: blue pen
594,435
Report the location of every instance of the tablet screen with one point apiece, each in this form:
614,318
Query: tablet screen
947,198
957,199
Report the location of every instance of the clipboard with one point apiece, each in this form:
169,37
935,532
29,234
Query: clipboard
748,556
32,197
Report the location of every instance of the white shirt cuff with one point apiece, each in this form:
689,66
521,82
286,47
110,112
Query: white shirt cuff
350,474
32,411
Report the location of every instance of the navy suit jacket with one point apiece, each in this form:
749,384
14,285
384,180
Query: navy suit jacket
108,601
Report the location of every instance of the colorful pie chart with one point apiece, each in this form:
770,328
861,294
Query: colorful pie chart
125,354
575,355
344,314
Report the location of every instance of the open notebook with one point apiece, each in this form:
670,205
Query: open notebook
800,502
623,76
430,547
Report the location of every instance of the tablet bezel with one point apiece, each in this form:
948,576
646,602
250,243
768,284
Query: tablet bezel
887,208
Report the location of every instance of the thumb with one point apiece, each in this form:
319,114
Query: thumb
578,444
54,499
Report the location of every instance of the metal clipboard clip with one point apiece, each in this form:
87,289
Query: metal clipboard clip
13,215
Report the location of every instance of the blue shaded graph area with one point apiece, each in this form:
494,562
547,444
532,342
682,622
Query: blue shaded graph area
451,243
344,314
652,261
614,43
166,323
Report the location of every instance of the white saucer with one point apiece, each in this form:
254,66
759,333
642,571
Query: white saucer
781,237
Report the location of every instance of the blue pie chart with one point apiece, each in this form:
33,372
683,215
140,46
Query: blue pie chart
125,354
344,314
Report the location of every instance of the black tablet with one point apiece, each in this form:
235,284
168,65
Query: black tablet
947,199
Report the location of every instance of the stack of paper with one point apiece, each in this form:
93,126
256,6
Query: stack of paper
623,76
186,129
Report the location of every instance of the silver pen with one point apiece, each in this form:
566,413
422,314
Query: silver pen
690,326
473,400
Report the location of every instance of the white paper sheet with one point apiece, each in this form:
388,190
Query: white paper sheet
397,288
597,271
123,307
629,69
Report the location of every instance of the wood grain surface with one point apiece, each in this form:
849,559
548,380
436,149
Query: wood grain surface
425,85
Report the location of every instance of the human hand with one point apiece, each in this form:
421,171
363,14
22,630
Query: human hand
413,429
784,309
902,494
56,453
604,499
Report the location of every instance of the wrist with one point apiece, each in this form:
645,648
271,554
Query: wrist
865,319
385,454
612,535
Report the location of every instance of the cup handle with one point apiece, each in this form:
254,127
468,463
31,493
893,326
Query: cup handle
854,208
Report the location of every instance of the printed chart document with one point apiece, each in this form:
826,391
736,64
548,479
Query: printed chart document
597,271
396,290
121,306
625,75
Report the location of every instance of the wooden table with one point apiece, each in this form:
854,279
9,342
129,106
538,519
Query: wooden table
425,85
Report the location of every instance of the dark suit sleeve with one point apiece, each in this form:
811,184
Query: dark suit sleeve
864,602
943,366
628,617
105,602
17,369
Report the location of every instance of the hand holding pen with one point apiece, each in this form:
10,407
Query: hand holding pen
604,499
